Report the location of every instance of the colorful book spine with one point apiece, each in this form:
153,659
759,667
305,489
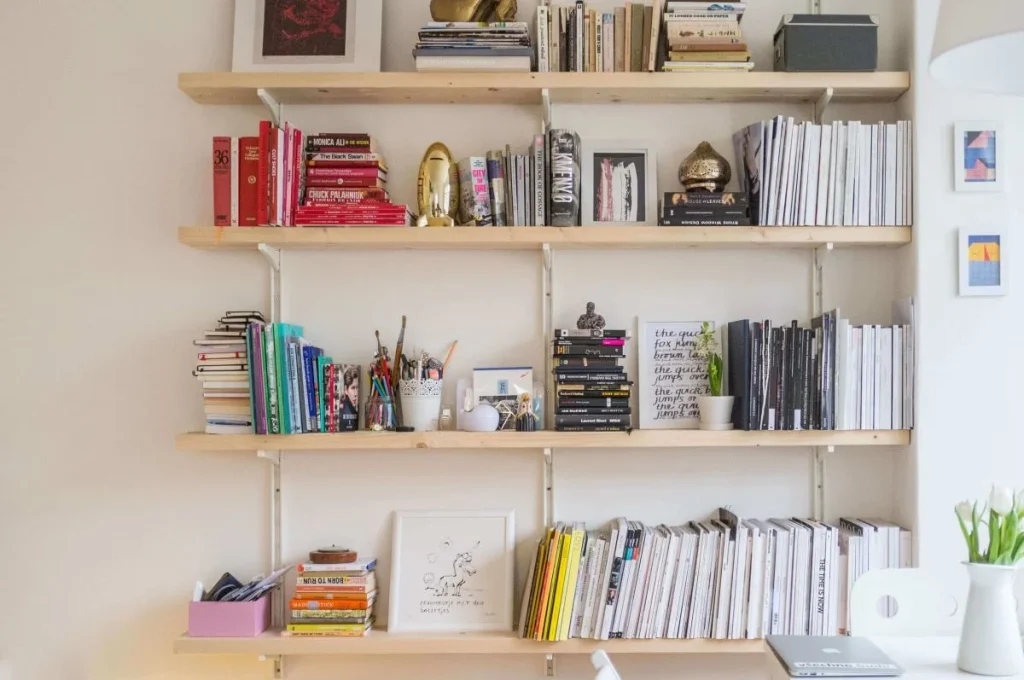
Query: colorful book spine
496,186
248,172
294,387
272,373
475,201
222,181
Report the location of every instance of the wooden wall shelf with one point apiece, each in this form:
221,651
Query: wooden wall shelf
380,642
526,88
638,439
533,238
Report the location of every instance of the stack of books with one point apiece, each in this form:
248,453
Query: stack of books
705,36
574,37
333,600
591,388
257,180
722,578
466,46
704,208
223,371
831,376
346,183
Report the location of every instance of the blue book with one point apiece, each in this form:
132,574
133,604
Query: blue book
294,403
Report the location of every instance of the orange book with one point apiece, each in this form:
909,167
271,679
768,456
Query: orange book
316,593
330,604
354,590
549,568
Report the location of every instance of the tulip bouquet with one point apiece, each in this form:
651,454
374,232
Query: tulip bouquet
1005,538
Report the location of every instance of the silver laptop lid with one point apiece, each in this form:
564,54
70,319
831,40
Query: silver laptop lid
818,656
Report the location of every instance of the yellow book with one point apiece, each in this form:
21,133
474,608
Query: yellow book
569,596
535,584
550,566
555,619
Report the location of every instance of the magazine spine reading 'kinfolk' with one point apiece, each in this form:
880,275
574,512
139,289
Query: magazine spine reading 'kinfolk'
564,199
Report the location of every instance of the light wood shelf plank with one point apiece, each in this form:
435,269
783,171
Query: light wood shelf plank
198,441
533,238
525,88
380,642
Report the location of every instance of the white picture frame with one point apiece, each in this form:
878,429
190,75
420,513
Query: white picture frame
692,375
979,164
470,554
620,153
983,271
361,28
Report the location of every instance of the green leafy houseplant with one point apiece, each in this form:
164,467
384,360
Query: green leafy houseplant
1002,526
707,349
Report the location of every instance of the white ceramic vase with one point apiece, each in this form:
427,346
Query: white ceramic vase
715,412
990,640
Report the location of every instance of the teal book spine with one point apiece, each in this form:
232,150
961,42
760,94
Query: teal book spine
281,351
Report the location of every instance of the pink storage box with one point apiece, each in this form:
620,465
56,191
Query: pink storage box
229,619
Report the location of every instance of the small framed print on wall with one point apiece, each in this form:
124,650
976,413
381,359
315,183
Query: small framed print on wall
620,184
307,35
980,165
983,261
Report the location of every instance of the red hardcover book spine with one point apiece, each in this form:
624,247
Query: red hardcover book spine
354,157
297,170
353,182
263,177
366,165
248,172
222,181
273,177
344,173
317,196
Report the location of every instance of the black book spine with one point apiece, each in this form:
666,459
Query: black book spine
798,378
588,342
592,402
617,378
695,212
593,393
577,350
755,376
808,377
591,410
793,404
565,178
709,222
784,369
593,428
606,370
766,367
572,333
588,363
673,199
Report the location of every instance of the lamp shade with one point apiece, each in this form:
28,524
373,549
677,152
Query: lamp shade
979,45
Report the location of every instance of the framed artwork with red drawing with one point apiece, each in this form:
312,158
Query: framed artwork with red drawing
307,35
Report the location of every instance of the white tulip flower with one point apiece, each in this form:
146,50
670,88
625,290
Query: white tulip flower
1001,500
965,512
1020,500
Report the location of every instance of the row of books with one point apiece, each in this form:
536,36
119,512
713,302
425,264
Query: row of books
703,36
294,387
577,38
466,46
722,578
832,376
257,180
591,388
222,369
333,600
704,208
842,174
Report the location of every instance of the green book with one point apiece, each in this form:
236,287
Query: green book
270,373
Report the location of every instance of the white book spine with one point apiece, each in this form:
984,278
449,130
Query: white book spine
754,585
778,147
540,189
666,582
543,39
876,372
786,187
824,185
778,581
583,615
900,160
909,172
886,379
850,178
890,175
608,29
576,611
897,377
235,169
811,178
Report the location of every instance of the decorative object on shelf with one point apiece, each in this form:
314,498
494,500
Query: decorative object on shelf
380,409
437,188
452,571
716,408
473,10
333,555
590,320
307,36
672,375
564,199
705,170
983,261
620,185
501,388
421,403
526,419
976,146
477,417
990,637
826,42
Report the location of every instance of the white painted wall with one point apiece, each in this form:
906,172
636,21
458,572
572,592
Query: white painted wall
106,528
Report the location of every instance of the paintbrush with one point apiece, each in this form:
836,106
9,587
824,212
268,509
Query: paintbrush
394,379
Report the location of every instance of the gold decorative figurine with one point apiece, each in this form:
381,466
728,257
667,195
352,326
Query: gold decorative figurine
473,10
704,170
437,188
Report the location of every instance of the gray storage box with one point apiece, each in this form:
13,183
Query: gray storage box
827,42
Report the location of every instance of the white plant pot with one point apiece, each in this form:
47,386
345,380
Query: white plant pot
990,640
715,412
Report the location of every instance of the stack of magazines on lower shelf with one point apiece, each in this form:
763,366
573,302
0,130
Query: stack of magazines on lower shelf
722,578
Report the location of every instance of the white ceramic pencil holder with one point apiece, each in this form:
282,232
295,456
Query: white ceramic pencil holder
421,403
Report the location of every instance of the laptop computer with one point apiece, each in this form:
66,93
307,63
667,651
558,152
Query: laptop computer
808,656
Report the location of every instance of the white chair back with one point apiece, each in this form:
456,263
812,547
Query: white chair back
605,669
923,605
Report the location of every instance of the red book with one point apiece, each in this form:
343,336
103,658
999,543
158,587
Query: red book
355,182
272,209
263,178
222,181
345,173
314,195
376,165
297,172
248,172
352,223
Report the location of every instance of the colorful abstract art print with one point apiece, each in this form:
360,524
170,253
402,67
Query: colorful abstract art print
978,159
983,262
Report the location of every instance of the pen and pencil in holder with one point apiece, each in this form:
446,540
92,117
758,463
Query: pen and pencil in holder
380,406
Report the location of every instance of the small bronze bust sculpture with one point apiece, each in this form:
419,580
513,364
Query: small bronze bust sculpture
473,10
590,320
705,170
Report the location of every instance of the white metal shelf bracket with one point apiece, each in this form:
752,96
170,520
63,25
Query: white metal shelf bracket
549,665
275,107
549,487
821,105
274,258
547,302
545,96
818,482
277,665
817,280
815,6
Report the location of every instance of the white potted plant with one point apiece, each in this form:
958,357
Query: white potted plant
716,408
990,639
